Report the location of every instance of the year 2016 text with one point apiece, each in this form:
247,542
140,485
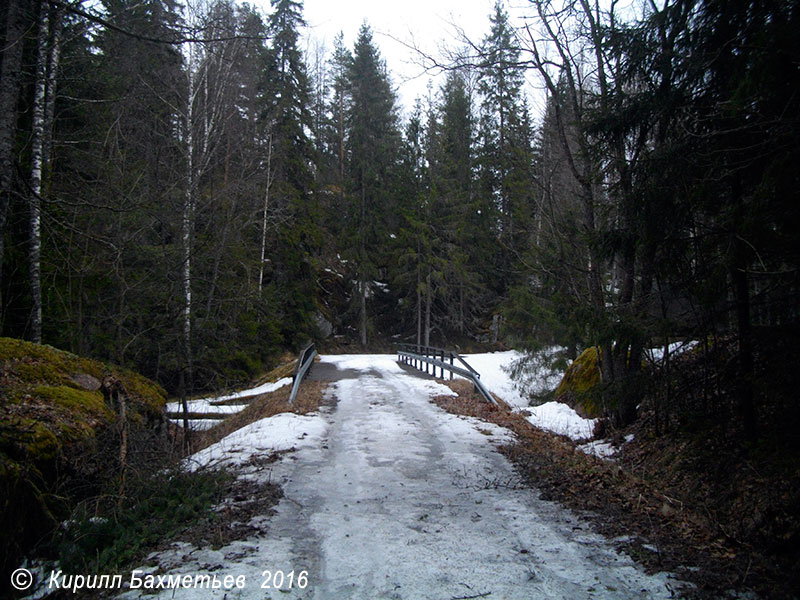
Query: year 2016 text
278,580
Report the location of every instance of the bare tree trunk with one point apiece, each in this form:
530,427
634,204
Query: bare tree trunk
37,156
419,297
264,216
230,209
363,286
461,300
341,137
52,79
187,228
428,295
362,265
419,314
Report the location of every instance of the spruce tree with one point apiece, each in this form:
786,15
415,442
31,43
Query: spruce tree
288,123
372,149
332,158
505,151
412,242
468,240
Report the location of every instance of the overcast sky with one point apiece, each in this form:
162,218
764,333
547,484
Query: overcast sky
397,24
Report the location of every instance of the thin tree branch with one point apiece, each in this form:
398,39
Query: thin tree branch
177,41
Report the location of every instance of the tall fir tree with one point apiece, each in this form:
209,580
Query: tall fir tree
288,123
468,240
372,148
503,140
333,158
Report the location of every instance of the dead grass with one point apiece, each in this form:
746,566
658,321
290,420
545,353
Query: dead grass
245,499
284,369
620,504
233,518
308,400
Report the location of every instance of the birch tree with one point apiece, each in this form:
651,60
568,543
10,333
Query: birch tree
209,106
43,101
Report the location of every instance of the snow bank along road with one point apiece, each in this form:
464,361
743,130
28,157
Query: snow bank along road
388,496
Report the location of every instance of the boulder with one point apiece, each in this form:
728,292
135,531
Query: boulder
578,386
324,326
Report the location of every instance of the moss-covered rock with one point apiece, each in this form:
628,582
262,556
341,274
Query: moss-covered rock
59,433
578,386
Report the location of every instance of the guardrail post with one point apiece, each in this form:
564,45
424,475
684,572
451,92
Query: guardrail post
304,362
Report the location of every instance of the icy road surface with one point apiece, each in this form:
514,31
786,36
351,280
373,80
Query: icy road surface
388,496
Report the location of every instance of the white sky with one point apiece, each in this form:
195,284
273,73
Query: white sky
426,23
396,25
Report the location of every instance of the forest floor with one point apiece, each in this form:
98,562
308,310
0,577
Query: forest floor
385,495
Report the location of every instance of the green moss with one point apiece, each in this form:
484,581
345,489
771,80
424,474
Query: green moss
83,402
579,382
44,444
151,395
582,375
39,364
51,408
54,430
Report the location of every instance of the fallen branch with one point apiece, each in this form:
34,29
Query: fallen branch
471,597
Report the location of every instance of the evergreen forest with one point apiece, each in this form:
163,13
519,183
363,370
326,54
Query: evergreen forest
188,192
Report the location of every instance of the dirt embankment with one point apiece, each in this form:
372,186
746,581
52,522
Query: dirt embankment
66,424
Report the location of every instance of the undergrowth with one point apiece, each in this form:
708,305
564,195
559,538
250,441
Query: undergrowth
109,532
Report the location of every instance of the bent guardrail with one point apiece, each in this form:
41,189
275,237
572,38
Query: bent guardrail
417,356
304,362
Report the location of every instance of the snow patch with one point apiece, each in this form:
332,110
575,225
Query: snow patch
599,448
559,418
603,448
556,417
494,368
199,424
205,407
209,404
283,431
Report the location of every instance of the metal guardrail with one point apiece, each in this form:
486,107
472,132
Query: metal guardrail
417,356
304,362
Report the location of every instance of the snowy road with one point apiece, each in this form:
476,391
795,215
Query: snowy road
387,496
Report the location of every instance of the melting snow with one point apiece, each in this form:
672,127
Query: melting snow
281,432
556,417
561,419
603,448
388,496
208,404
493,368
211,405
